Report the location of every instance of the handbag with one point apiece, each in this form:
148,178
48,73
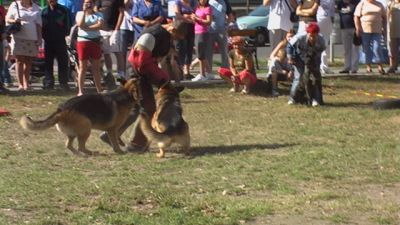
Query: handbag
294,18
356,39
13,28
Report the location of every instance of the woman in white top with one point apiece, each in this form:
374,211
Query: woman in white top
24,43
88,46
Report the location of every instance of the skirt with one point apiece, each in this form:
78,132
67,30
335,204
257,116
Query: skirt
21,47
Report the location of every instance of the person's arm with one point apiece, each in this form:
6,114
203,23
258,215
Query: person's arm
11,16
384,21
300,11
267,2
232,67
38,22
249,62
357,19
121,16
206,21
280,45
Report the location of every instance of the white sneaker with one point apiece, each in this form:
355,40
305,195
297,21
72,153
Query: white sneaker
314,103
290,102
210,76
199,77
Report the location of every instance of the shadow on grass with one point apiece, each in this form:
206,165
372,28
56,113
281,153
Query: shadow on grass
348,104
373,78
55,92
204,150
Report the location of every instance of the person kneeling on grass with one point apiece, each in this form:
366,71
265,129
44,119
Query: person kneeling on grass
241,71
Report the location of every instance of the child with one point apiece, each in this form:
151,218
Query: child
279,68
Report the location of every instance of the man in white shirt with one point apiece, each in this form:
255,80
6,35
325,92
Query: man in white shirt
279,19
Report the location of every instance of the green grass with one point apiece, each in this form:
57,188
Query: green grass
255,160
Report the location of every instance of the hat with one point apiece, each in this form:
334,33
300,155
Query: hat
312,28
237,40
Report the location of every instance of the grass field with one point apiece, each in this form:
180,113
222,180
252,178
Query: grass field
254,160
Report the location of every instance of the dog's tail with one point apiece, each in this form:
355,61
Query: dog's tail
161,139
28,124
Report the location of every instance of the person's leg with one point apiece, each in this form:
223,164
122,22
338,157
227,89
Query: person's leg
49,50
19,69
355,58
393,52
222,40
347,39
377,51
81,75
248,80
367,48
326,27
95,66
62,61
227,76
209,50
297,72
27,71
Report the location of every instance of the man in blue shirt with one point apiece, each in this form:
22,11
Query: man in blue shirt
221,9
74,6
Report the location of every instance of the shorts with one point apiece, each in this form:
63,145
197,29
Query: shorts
109,47
127,39
21,47
202,41
147,66
245,74
88,50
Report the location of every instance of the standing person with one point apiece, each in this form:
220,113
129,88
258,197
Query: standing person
279,19
5,78
307,12
25,43
370,22
145,14
88,44
183,11
221,10
153,43
73,6
127,33
113,14
346,10
202,18
325,17
393,15
241,67
56,26
304,53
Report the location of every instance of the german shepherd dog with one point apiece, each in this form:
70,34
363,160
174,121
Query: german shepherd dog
79,115
167,125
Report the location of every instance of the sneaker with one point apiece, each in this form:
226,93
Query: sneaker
343,71
9,85
199,77
391,70
290,102
109,81
314,103
233,89
104,138
210,76
244,91
275,93
326,71
353,72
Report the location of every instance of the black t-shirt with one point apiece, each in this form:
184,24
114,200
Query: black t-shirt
346,13
163,40
110,10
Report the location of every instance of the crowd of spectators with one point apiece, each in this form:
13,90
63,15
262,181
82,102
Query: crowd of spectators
108,27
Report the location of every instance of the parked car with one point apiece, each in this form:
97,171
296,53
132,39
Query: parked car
256,20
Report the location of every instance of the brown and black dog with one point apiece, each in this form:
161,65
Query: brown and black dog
167,125
79,115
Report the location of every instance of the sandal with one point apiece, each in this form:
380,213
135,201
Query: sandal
382,71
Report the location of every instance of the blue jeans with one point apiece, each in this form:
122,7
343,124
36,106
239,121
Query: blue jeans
371,43
297,72
5,74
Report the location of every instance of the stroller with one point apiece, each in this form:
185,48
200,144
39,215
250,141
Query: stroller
73,67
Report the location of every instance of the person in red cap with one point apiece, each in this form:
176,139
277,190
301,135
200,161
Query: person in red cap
241,70
304,53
